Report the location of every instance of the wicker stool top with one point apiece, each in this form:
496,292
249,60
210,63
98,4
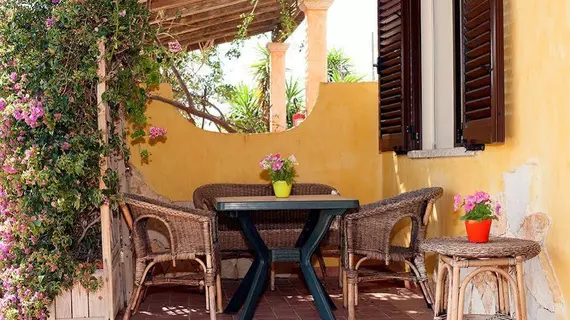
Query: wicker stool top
497,247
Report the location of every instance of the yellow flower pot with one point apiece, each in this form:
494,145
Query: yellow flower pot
282,189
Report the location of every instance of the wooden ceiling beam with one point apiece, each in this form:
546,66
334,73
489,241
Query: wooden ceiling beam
193,8
206,17
232,25
220,40
261,14
228,35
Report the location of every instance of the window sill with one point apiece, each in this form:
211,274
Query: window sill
441,153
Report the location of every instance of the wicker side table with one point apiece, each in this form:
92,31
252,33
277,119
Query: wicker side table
496,256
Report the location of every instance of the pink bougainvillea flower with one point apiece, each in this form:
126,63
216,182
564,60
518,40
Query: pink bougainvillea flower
54,1
277,165
156,132
13,76
457,202
18,114
66,146
174,46
2,104
57,116
49,22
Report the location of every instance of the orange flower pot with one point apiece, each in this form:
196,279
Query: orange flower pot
478,231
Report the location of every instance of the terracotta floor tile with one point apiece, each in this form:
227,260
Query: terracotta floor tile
290,301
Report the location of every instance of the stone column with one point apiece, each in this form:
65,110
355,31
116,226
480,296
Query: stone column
278,111
316,15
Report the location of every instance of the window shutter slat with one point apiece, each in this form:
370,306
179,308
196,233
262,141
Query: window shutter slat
398,37
482,71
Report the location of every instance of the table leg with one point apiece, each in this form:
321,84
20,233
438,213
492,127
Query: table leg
310,224
322,300
253,285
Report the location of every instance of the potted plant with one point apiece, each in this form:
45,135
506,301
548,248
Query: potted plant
479,214
282,173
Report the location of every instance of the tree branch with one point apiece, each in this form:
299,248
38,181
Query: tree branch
189,97
86,229
193,111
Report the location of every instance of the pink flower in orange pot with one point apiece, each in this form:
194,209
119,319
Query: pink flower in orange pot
479,214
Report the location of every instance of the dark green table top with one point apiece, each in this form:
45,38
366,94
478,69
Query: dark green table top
317,202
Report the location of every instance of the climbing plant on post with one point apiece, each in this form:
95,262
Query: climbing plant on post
50,144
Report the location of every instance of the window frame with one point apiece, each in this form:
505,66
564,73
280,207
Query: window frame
412,112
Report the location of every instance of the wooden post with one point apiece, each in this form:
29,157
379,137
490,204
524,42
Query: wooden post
103,112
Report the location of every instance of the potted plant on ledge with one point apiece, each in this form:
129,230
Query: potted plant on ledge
282,173
479,214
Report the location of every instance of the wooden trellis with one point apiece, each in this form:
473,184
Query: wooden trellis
117,272
200,23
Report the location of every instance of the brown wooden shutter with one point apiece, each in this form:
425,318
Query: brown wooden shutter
482,71
399,75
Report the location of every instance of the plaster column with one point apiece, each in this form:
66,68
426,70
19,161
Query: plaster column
316,15
278,97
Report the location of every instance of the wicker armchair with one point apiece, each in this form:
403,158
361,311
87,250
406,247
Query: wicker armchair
191,237
278,229
367,235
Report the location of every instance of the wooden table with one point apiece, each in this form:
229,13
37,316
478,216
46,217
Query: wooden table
324,208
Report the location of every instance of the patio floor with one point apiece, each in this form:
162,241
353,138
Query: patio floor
290,300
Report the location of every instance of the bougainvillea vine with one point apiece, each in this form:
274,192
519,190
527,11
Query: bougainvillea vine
50,146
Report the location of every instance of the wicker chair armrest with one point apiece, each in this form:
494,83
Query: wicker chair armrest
167,209
385,221
377,210
172,216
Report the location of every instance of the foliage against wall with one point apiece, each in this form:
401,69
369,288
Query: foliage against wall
50,146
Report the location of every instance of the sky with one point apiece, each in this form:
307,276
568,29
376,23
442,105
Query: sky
351,26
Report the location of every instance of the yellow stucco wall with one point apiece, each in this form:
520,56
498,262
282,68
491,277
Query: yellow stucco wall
336,145
537,50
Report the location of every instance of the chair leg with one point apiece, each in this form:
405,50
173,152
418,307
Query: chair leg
420,273
272,277
340,273
208,292
212,300
351,301
219,292
352,280
520,288
131,304
344,288
356,294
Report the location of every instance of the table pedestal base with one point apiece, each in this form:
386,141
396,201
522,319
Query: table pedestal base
255,281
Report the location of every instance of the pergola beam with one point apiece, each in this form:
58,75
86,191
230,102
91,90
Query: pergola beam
232,21
229,27
211,17
193,8
222,37
195,22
